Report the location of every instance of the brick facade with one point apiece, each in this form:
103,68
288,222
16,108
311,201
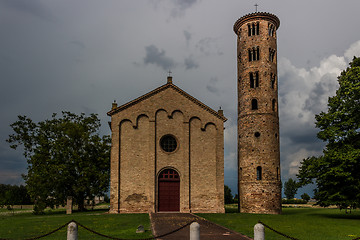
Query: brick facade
258,121
137,157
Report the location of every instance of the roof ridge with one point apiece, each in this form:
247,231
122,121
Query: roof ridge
159,89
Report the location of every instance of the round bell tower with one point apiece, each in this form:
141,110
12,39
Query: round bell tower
258,119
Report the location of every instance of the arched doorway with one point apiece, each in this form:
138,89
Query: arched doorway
169,191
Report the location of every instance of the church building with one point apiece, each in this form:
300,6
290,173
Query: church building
167,154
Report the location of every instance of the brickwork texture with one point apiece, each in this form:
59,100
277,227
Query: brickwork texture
258,120
137,158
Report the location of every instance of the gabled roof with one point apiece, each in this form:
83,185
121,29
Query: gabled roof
169,84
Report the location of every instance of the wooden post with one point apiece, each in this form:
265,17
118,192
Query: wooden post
259,232
195,231
72,231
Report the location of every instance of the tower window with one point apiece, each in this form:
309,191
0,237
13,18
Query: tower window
254,104
273,104
271,30
254,80
258,173
253,29
271,55
254,54
257,134
272,80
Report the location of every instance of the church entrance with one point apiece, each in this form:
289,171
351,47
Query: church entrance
169,191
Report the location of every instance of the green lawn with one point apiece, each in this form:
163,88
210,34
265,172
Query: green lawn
301,223
27,225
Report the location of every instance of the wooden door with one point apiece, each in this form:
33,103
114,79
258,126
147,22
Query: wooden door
169,191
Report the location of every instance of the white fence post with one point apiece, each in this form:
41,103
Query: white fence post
72,231
195,231
259,232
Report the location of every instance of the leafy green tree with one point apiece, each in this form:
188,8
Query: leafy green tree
66,157
13,195
305,197
227,195
337,172
290,188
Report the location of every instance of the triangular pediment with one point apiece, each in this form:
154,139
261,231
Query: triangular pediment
159,90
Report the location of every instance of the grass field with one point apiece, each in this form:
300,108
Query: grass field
301,223
26,225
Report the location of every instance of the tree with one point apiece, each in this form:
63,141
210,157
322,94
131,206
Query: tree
290,188
337,172
66,157
227,195
13,195
305,197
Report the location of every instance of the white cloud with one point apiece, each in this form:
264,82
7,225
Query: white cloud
354,50
295,158
303,93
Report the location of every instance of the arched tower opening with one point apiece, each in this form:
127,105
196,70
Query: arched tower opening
259,156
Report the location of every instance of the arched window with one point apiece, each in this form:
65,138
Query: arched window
273,104
272,79
256,79
253,29
252,82
168,174
271,30
254,104
254,54
271,55
258,173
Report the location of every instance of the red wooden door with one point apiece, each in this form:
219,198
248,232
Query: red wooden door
169,191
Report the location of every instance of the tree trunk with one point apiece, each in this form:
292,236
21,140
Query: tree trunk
81,206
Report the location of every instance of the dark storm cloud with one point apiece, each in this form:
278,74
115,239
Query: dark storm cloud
190,63
157,57
13,163
33,7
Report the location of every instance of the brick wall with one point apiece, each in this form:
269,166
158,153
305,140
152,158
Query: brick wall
199,157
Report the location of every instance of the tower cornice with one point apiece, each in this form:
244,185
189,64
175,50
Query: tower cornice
256,16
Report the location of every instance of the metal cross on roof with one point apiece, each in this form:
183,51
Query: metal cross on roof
170,73
256,5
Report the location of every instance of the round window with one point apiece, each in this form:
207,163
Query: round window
168,143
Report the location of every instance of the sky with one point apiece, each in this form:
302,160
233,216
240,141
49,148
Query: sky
81,55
